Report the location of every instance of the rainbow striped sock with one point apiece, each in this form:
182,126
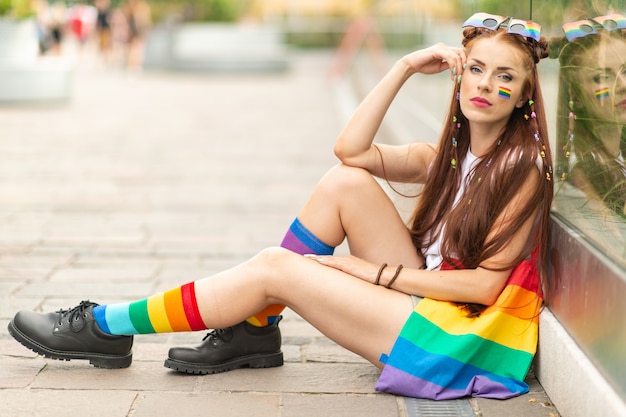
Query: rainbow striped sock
300,240
175,310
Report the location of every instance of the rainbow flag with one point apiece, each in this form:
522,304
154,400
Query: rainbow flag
442,354
602,93
504,92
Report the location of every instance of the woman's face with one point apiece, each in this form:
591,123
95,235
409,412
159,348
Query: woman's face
600,82
493,82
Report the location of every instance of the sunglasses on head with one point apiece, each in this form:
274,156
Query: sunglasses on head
517,26
582,28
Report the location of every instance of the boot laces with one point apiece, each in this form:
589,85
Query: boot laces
75,315
224,335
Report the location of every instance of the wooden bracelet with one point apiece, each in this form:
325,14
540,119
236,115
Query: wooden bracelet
380,272
395,276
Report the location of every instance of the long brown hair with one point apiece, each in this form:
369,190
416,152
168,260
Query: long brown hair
496,178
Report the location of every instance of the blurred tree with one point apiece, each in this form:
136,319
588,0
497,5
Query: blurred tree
19,9
201,10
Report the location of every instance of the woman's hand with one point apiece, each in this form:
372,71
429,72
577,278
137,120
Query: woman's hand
352,265
436,59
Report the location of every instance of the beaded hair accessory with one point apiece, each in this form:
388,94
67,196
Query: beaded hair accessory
567,148
456,127
532,118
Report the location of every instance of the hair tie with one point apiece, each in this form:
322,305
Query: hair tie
380,272
395,276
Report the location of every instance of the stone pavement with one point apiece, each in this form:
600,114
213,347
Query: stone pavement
144,181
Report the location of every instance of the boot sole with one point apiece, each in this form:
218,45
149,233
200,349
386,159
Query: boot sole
99,360
265,360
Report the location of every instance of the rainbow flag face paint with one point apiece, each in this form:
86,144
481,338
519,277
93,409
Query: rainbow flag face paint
602,93
504,93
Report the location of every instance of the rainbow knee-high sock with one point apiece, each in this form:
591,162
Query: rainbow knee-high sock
300,240
175,310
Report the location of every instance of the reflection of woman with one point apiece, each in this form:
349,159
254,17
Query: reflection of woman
592,108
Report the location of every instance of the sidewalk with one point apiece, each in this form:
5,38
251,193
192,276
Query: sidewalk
146,181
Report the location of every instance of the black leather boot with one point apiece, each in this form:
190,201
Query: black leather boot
72,334
239,346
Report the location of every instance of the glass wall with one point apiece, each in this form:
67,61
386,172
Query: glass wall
591,114
585,87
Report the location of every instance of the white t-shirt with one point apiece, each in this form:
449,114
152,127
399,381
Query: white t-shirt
433,252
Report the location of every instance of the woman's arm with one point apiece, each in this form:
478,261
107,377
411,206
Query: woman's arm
354,144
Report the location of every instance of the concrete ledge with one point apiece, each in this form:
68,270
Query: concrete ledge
18,39
216,47
24,76
45,79
569,378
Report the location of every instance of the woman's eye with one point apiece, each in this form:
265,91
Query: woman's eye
600,78
475,69
506,77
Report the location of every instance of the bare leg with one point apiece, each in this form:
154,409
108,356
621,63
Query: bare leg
344,308
347,203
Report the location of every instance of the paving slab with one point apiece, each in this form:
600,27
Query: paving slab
57,403
208,404
308,405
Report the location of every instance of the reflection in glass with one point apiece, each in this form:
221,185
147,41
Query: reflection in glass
592,110
591,120
586,285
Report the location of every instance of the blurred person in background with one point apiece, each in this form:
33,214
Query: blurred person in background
103,27
81,19
138,20
51,20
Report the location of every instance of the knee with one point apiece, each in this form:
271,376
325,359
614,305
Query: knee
272,265
272,261
343,178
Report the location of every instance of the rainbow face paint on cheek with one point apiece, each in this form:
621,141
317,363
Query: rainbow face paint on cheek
504,93
602,93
